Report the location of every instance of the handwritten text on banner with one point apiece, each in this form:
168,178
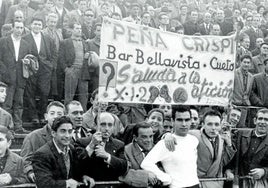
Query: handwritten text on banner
145,65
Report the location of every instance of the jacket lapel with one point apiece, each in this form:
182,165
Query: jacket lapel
11,46
208,144
240,78
59,159
263,144
245,142
11,163
137,153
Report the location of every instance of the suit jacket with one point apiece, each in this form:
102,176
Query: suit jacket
6,119
260,159
10,69
208,165
100,170
47,62
67,57
28,13
61,17
191,28
3,12
135,176
49,167
259,94
203,29
257,64
241,94
253,35
14,166
32,142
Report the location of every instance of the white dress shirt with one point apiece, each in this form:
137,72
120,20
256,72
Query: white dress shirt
180,166
16,43
37,39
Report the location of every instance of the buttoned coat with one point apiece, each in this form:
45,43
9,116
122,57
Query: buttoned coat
241,94
49,167
67,57
10,69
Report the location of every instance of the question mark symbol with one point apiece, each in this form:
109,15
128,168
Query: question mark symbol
112,73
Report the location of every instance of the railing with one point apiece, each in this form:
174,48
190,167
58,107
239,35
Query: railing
111,183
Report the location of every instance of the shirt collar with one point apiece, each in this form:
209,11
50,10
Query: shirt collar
258,135
14,39
36,35
59,150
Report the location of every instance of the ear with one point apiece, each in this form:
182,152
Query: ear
255,120
53,133
45,116
134,137
91,100
9,143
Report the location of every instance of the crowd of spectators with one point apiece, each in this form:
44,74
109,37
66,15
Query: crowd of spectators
49,52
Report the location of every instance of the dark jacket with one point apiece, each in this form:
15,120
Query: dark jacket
10,69
260,159
14,167
49,167
67,57
48,59
100,170
259,95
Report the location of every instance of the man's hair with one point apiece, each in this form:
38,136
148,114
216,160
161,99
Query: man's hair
140,125
156,110
16,21
211,113
235,108
51,15
246,57
180,109
7,132
98,117
94,93
77,103
262,110
96,25
116,14
59,121
2,84
37,19
194,108
161,15
144,14
57,104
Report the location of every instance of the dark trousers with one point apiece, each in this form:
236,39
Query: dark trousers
37,85
14,104
73,81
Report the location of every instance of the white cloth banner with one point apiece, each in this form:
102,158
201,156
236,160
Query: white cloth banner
139,64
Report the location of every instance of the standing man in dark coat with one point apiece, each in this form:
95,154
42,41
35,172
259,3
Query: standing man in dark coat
56,164
44,49
73,58
13,49
259,95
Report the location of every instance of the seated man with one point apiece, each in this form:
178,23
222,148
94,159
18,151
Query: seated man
135,152
5,117
40,137
155,118
105,154
11,165
56,163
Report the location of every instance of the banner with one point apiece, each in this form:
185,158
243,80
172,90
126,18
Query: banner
140,64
